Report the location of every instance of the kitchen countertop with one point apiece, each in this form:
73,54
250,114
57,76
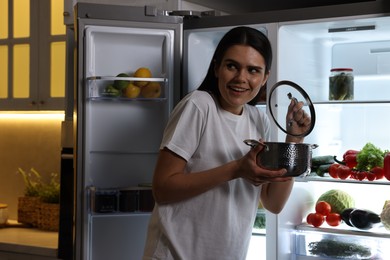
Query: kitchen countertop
25,240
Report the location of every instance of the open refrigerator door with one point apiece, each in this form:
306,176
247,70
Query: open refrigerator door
128,65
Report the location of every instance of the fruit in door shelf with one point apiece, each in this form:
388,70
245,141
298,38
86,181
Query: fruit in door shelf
142,72
121,84
151,90
131,91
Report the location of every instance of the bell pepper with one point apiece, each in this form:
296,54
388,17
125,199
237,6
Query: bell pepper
349,158
386,166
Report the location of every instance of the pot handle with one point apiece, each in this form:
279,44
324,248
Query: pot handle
253,143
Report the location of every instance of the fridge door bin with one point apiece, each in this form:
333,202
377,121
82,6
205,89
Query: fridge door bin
122,200
104,87
323,245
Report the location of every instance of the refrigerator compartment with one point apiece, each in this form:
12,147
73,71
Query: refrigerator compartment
104,200
110,237
328,245
102,88
349,125
121,200
136,199
115,50
319,50
134,127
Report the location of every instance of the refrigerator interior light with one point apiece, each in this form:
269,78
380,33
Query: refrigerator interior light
352,28
380,50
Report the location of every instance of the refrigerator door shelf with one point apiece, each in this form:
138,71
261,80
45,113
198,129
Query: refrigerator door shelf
98,88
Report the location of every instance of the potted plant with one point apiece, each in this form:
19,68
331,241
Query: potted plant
49,208
28,204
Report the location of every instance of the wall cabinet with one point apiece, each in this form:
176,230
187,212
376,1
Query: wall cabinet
32,60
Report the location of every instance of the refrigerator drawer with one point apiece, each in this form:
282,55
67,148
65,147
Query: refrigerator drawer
118,236
354,245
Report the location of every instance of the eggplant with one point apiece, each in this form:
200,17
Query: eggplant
345,215
363,219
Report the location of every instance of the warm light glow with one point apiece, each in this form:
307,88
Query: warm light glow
26,115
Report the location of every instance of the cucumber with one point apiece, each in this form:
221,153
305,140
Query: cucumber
316,161
322,169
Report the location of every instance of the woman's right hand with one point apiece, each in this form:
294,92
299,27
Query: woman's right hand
252,172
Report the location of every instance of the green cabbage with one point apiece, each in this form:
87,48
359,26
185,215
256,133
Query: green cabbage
385,215
338,200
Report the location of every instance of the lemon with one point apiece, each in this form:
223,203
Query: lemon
131,91
151,90
142,72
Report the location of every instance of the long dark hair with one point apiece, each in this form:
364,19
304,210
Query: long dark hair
241,35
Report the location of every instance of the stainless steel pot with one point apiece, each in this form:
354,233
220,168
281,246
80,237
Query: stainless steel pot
294,157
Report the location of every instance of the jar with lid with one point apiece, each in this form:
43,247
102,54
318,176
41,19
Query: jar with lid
341,84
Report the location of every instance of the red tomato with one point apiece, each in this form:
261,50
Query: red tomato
333,219
379,172
371,176
323,208
361,175
317,219
343,172
354,174
333,170
308,218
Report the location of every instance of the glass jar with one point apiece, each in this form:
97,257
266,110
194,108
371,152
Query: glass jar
341,84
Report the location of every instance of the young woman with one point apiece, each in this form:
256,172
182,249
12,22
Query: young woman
206,184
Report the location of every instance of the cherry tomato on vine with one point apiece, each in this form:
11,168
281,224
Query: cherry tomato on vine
361,175
343,172
333,219
379,172
371,176
323,208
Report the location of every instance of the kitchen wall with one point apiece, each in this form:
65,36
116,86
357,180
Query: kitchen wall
27,141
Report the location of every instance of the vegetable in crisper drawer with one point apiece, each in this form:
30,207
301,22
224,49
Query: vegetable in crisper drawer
339,249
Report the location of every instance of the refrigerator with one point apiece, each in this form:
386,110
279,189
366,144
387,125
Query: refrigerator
117,138
307,51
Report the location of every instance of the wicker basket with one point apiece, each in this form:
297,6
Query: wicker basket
28,210
49,216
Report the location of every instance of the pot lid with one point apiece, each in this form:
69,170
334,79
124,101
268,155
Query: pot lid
279,99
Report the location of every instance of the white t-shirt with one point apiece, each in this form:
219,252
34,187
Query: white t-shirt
216,224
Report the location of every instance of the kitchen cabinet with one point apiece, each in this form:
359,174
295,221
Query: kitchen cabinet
33,64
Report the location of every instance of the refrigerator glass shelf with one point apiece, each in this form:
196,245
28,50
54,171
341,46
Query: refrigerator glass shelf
126,78
378,231
124,99
351,102
330,179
